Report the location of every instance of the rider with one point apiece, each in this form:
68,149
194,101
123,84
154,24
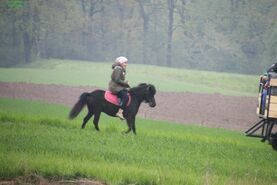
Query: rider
118,85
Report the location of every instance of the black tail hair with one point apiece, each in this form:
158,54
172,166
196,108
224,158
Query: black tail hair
78,106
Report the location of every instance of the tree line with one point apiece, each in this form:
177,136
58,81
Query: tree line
218,35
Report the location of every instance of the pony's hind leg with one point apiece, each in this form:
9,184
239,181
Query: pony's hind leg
85,120
96,120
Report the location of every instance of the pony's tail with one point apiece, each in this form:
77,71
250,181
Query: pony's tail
78,106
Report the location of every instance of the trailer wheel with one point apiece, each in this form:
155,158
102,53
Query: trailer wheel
274,141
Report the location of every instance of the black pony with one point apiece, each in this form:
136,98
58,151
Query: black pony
96,104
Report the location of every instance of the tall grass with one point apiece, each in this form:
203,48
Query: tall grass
46,143
165,79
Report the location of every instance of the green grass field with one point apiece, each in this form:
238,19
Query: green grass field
165,79
37,138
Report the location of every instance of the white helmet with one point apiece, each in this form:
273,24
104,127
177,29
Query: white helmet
121,60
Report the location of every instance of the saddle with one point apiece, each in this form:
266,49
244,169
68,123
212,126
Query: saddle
112,98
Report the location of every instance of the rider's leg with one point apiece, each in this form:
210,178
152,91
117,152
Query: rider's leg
123,95
124,98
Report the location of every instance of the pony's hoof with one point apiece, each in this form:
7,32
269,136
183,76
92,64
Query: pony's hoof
96,127
127,132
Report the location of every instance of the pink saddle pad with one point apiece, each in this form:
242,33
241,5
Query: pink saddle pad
110,97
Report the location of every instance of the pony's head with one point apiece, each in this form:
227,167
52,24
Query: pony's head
149,94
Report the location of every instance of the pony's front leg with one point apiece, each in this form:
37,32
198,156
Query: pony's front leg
126,132
134,127
131,125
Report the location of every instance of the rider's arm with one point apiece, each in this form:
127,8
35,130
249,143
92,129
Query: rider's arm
116,77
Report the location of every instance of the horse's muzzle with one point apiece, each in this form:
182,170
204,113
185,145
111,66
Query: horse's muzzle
152,104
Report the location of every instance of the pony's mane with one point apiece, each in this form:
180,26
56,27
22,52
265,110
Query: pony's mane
139,86
142,86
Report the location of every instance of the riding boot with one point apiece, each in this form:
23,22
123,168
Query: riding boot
119,114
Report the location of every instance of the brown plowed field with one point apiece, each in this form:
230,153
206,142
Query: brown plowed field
212,110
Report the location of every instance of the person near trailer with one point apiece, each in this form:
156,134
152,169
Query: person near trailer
265,79
265,87
272,68
272,74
